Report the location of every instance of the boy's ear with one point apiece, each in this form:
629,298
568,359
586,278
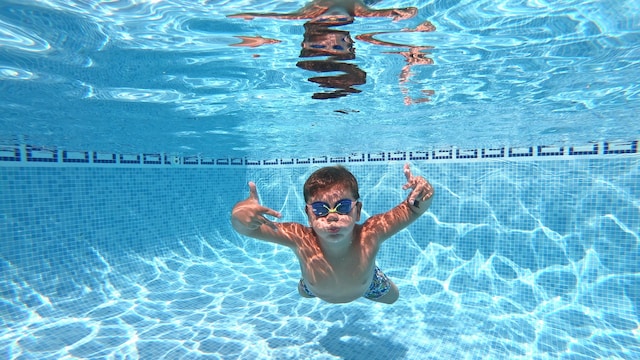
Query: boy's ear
308,212
358,210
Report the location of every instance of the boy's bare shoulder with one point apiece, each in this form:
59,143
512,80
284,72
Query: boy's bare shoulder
293,233
374,225
294,228
369,235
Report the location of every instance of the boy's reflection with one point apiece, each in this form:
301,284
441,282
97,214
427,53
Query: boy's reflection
320,40
414,55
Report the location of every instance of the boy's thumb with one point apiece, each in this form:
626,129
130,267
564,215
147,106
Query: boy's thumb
253,191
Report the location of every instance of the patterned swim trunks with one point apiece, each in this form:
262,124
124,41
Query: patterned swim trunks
380,286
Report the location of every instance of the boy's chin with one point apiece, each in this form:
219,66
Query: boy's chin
334,237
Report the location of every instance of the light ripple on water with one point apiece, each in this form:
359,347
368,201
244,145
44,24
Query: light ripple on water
224,301
11,73
15,37
490,60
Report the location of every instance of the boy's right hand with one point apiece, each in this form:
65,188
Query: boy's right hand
250,214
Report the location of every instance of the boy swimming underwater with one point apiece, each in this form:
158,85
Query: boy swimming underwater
336,254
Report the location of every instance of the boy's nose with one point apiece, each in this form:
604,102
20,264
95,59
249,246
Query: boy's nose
332,217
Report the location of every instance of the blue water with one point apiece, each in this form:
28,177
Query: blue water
129,129
163,76
518,259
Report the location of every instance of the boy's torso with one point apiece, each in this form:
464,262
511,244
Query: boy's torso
341,278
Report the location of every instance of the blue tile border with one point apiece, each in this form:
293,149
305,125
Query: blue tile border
129,159
418,155
442,154
550,150
520,152
39,154
101,158
493,153
10,154
618,148
21,155
152,159
585,150
467,154
75,156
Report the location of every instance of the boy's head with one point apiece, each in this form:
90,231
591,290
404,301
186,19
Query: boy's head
327,177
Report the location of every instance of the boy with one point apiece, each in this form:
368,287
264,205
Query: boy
336,254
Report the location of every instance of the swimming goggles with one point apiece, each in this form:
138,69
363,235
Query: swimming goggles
342,207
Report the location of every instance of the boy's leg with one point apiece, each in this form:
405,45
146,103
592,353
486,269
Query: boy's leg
302,291
391,296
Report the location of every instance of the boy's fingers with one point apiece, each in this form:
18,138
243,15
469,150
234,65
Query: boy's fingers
253,194
253,191
407,172
270,224
267,211
261,220
426,192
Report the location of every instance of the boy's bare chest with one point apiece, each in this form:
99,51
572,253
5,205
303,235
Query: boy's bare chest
353,267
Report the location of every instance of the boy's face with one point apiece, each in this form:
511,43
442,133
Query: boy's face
334,226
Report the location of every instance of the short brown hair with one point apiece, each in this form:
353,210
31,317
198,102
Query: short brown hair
327,177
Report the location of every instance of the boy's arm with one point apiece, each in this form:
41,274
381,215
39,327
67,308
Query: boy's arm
248,218
417,202
397,14
309,11
251,16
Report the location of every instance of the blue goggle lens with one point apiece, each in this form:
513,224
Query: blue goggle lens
342,207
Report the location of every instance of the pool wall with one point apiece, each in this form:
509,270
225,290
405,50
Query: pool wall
514,238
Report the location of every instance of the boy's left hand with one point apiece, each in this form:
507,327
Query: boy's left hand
421,191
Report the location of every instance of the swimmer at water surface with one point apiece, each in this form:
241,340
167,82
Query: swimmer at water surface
335,12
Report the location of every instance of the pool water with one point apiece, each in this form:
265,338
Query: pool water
168,76
129,129
533,258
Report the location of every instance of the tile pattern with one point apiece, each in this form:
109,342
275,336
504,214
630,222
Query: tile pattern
33,155
129,257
